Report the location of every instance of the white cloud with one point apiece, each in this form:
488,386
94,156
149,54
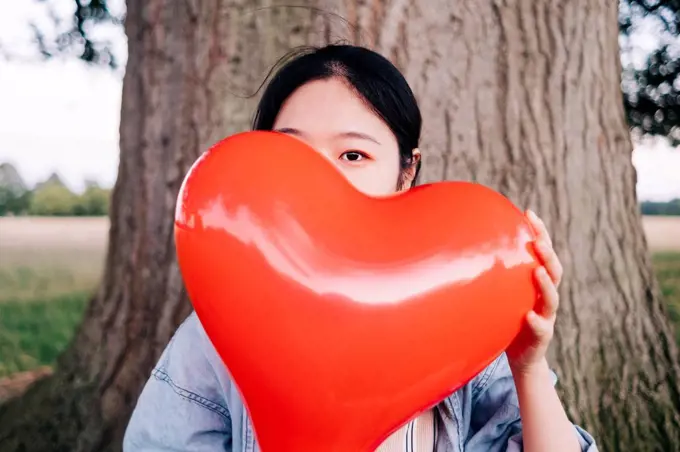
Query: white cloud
658,170
60,116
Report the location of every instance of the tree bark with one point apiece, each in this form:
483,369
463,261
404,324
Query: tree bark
522,96
191,67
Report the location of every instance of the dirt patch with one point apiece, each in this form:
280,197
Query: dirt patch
16,384
54,233
663,233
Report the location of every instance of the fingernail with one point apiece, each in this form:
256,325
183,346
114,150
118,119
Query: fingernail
531,214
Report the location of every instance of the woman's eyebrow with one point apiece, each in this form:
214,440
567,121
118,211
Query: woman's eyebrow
350,134
359,135
289,131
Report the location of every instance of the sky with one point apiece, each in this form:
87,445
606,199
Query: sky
62,116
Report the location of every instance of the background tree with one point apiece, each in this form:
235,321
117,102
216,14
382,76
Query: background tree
15,197
13,203
50,197
94,201
53,198
522,96
652,91
660,208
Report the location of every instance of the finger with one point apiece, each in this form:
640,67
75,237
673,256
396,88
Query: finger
549,296
550,260
540,227
541,327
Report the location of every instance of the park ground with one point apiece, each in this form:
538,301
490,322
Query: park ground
49,267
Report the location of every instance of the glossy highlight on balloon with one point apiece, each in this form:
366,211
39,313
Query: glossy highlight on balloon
341,316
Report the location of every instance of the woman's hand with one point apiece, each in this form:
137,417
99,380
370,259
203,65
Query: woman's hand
545,425
527,352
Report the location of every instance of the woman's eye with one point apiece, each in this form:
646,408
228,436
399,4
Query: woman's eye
353,156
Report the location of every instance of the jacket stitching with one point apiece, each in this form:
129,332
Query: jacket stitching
453,404
192,396
459,419
246,433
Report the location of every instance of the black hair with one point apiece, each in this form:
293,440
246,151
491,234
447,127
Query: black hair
374,78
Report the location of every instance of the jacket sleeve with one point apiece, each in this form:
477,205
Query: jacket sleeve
181,407
495,419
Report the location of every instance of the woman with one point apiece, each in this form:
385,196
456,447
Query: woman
355,108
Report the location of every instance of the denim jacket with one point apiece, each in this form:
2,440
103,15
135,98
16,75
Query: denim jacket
191,404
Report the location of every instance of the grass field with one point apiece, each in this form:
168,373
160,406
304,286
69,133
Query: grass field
49,267
45,257
667,267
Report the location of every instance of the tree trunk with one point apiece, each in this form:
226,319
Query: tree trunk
522,96
190,67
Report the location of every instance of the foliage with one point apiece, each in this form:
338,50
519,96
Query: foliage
78,38
660,208
93,202
13,203
652,92
53,198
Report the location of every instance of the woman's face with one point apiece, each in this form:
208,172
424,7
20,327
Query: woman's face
331,118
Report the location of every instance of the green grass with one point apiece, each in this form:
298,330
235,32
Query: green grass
35,280
34,332
667,267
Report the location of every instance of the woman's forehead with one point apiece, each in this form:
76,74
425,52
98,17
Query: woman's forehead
332,108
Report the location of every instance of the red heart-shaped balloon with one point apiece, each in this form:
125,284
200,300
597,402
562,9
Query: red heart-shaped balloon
340,316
